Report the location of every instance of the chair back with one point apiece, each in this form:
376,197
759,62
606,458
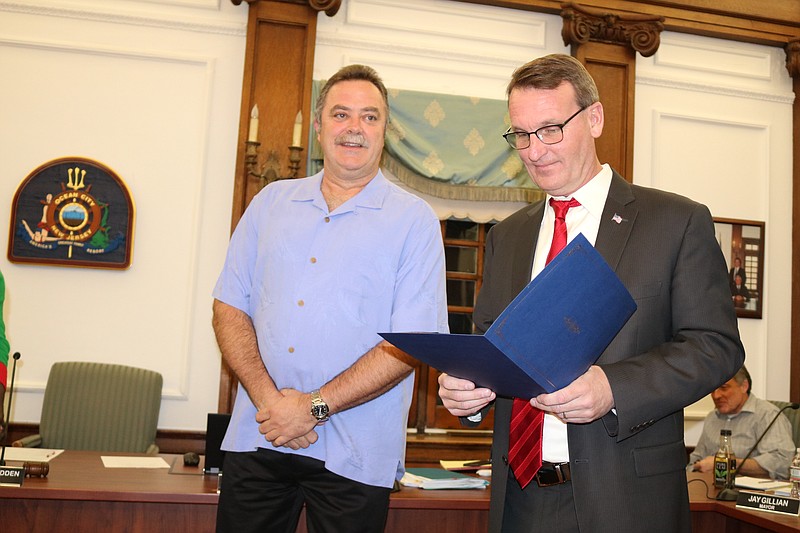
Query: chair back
794,419
102,407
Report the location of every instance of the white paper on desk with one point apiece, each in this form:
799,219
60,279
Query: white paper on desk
412,480
40,455
746,482
112,461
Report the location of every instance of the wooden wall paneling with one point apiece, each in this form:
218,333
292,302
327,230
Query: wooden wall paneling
279,61
278,70
606,43
613,68
793,65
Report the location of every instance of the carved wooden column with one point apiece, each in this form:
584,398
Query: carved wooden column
793,66
606,43
278,69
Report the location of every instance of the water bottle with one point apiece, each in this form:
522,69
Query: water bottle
794,475
724,460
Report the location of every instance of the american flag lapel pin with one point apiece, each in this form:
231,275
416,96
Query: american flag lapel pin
616,218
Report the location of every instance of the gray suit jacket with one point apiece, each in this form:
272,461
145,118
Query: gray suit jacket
628,469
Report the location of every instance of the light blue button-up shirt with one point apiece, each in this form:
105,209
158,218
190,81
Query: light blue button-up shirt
319,286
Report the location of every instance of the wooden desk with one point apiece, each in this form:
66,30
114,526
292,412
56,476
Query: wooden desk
80,494
711,515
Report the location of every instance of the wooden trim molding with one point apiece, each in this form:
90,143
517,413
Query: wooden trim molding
792,49
167,440
278,69
606,43
725,19
793,65
640,32
420,448
330,7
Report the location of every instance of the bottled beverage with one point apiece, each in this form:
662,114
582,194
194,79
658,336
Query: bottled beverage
794,475
724,461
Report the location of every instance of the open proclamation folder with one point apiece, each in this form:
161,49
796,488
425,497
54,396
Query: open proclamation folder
550,334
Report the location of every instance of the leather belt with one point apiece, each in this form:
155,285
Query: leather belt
552,474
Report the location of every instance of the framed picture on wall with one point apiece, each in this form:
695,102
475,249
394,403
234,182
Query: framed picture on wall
742,244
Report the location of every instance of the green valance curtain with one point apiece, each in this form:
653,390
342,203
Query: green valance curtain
449,147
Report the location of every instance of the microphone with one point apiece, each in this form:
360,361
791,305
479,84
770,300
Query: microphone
729,493
8,411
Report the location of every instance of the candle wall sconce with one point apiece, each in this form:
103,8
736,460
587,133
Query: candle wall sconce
271,170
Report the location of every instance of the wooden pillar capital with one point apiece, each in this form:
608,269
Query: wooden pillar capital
793,58
642,33
330,7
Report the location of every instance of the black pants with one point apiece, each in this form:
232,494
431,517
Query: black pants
537,509
265,490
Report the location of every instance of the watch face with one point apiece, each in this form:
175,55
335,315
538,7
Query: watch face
319,411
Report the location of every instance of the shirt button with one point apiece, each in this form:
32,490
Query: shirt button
301,303
291,349
313,260
327,219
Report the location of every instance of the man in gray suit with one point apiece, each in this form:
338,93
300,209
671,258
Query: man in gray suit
612,441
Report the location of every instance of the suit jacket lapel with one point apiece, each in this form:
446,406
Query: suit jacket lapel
617,221
616,224
523,253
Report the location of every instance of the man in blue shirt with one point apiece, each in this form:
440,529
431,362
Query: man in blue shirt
315,269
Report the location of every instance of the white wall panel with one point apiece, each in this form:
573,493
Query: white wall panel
435,46
713,122
153,91
204,16
109,106
721,153
440,21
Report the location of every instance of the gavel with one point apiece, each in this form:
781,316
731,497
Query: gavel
36,469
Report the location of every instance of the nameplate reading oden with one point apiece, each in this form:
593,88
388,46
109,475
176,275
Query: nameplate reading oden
11,476
760,501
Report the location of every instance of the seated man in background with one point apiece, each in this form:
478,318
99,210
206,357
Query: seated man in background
747,417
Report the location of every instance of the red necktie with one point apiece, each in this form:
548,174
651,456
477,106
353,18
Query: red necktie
525,431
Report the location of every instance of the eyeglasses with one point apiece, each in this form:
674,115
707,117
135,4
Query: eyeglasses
550,134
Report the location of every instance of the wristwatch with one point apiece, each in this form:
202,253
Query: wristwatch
319,409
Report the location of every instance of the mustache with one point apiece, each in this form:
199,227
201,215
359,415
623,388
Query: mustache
352,138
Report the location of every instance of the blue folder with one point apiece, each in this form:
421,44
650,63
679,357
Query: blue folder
550,334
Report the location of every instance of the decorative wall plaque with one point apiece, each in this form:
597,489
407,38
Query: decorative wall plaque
72,212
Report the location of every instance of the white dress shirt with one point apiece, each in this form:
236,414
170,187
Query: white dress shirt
583,219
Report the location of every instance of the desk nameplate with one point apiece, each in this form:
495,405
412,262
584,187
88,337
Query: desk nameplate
771,503
11,476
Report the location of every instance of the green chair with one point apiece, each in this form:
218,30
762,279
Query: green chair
98,406
794,418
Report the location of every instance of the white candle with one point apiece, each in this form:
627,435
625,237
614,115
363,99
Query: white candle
297,132
252,134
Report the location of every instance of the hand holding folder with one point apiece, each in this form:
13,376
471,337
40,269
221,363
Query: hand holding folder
549,335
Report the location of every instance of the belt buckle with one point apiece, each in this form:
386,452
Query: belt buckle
554,475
